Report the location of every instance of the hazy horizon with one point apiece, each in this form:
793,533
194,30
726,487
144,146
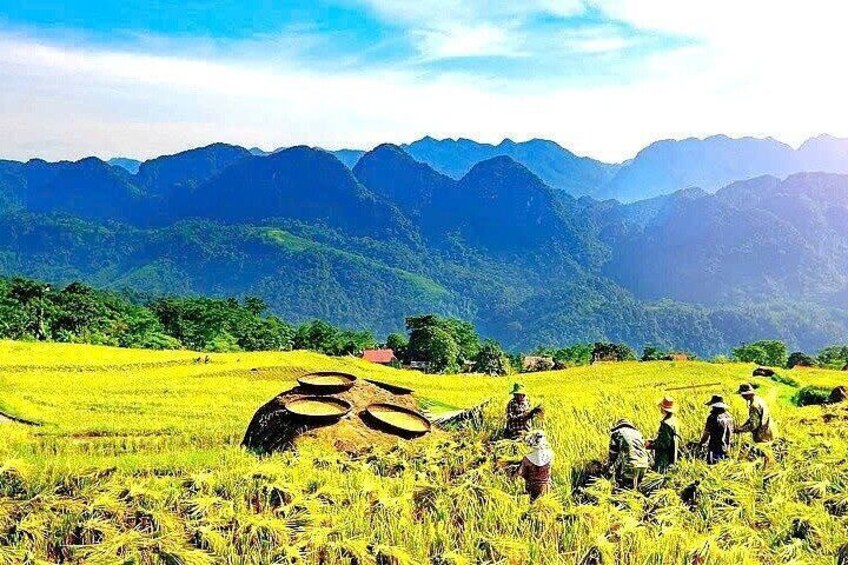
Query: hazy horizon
108,156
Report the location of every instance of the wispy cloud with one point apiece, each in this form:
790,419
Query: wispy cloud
457,41
446,29
596,40
750,68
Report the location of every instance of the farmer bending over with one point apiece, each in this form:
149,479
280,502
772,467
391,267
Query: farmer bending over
535,468
759,422
519,415
628,457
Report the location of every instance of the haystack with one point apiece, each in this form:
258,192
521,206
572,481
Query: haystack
837,395
273,428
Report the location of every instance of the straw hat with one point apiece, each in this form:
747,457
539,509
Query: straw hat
667,404
518,388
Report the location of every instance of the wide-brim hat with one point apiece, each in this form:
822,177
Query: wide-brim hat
667,404
716,399
518,388
745,388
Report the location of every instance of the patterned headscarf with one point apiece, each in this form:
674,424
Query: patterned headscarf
542,454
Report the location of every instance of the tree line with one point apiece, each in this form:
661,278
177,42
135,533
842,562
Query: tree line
37,311
79,313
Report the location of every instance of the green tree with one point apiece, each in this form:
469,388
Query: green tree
491,359
398,343
33,298
440,350
572,356
267,334
801,359
350,342
323,337
602,351
223,343
465,336
255,305
834,356
772,353
651,353
422,332
516,362
215,324
143,330
317,335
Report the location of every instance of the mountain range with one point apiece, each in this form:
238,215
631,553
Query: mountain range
366,239
660,168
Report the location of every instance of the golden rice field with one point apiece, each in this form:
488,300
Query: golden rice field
138,460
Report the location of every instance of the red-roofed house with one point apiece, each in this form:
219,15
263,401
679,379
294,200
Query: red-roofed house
381,356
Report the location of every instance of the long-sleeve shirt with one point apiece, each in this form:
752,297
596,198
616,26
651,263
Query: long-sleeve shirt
627,451
519,419
759,422
667,444
718,431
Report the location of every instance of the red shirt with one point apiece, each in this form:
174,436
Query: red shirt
537,477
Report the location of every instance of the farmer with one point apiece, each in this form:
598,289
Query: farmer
759,422
535,468
519,415
628,457
718,431
666,446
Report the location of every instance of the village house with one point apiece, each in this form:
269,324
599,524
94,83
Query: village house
380,356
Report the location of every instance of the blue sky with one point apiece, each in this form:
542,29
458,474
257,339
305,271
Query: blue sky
600,77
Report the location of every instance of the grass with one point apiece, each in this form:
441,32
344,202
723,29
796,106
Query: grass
138,461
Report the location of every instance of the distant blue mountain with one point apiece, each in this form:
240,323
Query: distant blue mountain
555,165
666,166
300,183
188,169
129,165
750,241
712,163
348,156
824,153
661,168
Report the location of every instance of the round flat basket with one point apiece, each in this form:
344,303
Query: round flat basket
319,408
327,382
398,419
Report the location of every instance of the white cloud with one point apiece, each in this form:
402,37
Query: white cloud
751,68
596,40
453,41
429,13
759,34
445,29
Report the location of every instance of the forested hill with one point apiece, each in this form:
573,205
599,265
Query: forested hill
364,247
